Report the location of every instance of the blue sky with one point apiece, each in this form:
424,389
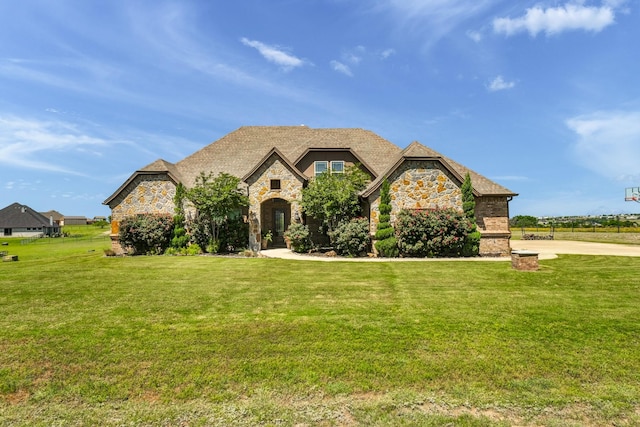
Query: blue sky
540,96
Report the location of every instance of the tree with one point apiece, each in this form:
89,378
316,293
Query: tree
386,243
468,200
215,199
333,198
526,221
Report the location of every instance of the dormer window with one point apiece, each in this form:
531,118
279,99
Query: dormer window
337,166
334,166
321,167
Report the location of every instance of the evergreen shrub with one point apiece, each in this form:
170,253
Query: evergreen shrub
435,233
146,233
352,237
298,235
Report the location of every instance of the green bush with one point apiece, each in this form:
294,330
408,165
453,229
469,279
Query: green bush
472,244
351,238
437,233
146,233
298,235
386,243
388,247
180,238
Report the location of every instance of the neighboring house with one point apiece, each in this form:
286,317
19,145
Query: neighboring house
276,162
54,215
74,220
18,220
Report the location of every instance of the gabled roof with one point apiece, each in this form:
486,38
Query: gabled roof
416,151
20,216
238,152
57,216
242,151
275,152
160,166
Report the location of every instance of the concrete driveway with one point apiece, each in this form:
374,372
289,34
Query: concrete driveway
551,248
547,249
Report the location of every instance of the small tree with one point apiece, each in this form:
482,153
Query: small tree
386,243
333,198
146,233
472,240
215,199
468,200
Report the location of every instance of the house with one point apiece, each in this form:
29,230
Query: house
275,163
74,220
18,220
54,215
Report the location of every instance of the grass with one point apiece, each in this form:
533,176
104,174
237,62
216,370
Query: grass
88,340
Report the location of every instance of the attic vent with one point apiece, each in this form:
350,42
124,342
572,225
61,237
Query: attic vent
23,209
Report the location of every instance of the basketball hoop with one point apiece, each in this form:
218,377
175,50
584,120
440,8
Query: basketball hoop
632,194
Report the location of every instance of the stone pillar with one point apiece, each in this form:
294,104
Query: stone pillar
524,260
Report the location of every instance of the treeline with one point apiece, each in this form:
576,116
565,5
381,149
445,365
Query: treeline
527,221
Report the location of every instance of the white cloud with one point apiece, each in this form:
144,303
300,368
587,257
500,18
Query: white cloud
555,20
433,19
341,68
500,84
387,53
25,143
476,36
609,143
274,54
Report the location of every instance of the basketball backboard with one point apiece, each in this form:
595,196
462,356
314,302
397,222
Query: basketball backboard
632,194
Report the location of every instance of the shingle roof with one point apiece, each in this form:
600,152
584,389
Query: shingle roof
241,151
481,184
20,216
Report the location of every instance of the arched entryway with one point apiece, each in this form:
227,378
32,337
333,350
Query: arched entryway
275,216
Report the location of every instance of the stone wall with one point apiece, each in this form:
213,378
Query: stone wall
427,185
418,185
145,194
260,191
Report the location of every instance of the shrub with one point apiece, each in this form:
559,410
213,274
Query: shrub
146,233
386,244
351,238
298,235
472,244
441,232
180,238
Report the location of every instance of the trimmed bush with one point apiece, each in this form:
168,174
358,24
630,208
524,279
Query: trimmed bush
298,235
437,233
386,244
146,233
351,238
472,244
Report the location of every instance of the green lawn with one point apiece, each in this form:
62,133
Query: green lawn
91,340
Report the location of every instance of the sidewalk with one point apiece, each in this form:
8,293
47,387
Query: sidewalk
546,249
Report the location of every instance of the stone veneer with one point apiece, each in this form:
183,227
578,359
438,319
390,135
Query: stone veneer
145,194
427,185
260,191
418,185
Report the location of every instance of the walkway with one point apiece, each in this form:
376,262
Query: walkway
547,249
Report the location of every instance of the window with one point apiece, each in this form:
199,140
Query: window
337,166
321,167
275,184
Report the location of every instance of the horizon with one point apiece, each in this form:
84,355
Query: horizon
540,97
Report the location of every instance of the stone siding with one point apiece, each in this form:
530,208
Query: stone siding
145,194
260,191
418,185
427,185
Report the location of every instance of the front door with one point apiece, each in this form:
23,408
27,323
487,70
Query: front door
279,219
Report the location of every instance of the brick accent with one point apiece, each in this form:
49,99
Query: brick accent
524,260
